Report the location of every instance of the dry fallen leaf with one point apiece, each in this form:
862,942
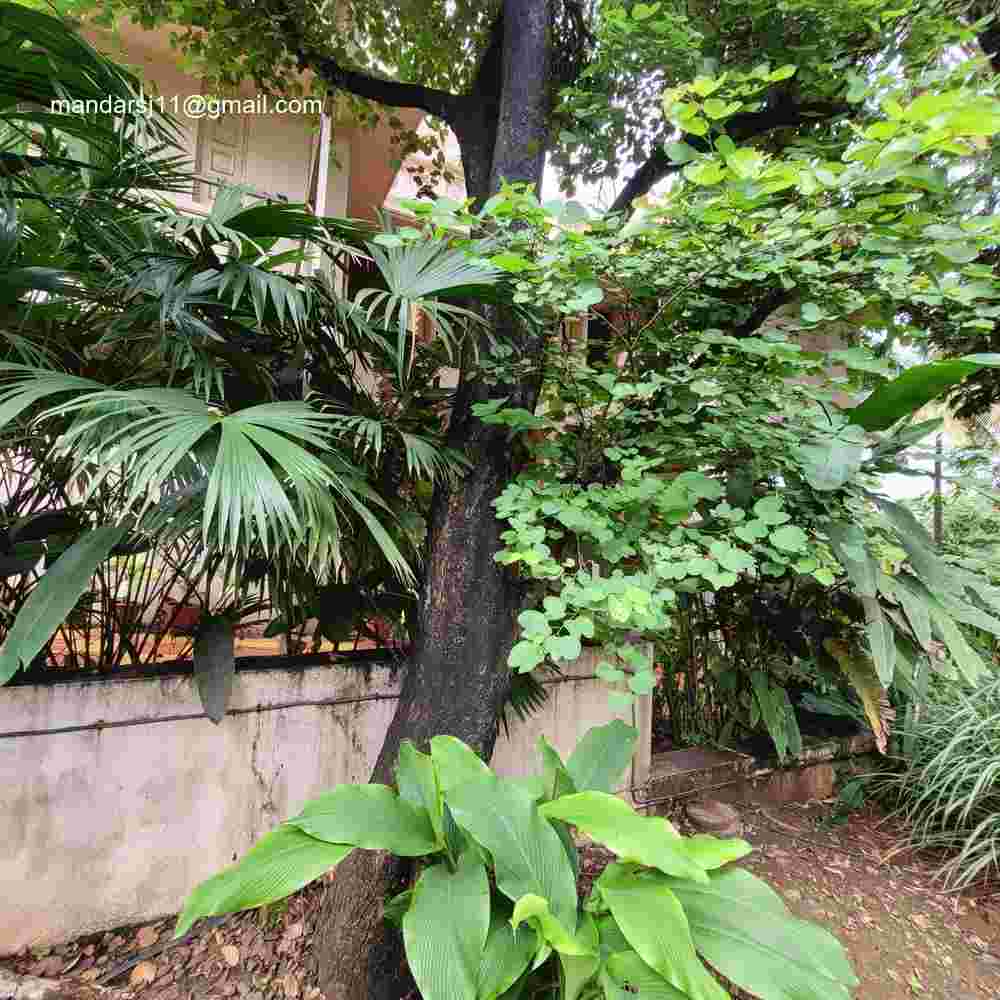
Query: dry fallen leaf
143,974
231,954
147,937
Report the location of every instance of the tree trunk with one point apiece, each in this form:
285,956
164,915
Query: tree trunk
458,678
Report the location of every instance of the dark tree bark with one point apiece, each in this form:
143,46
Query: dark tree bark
458,677
989,38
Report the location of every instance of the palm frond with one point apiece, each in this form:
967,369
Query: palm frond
416,276
273,474
44,63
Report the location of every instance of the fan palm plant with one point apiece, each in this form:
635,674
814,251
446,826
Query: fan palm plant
182,377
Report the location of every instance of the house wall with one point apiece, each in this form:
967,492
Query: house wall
109,825
270,153
373,168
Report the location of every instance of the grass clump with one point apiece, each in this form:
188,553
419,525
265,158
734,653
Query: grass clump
949,792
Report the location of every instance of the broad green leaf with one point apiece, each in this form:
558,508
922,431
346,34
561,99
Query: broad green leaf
534,623
791,723
650,840
782,72
54,596
811,313
652,919
915,608
417,781
745,163
445,930
881,640
850,546
369,816
570,847
680,152
958,253
698,483
578,970
774,711
860,359
831,462
733,559
556,778
770,510
789,537
507,954
528,855
968,661
456,763
564,647
930,105
534,784
601,757
705,172
395,909
916,387
714,852
927,564
280,863
525,656
535,910
742,927
627,969
512,262
609,932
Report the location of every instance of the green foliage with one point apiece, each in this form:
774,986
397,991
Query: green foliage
157,363
947,792
914,388
50,602
494,908
971,522
702,450
280,863
699,451
723,65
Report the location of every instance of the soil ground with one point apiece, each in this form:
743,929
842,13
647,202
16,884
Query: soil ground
906,938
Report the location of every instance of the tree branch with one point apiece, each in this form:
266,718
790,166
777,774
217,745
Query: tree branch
740,128
644,179
391,93
772,300
989,37
989,41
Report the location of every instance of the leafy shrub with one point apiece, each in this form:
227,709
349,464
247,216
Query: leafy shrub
494,911
949,793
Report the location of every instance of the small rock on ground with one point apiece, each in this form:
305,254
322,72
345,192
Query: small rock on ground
714,817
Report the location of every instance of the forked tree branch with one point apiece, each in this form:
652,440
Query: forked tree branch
391,93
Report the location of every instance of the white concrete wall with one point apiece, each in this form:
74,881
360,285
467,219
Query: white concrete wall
112,826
